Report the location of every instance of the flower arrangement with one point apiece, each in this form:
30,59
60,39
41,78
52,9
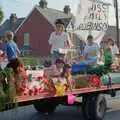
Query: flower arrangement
7,88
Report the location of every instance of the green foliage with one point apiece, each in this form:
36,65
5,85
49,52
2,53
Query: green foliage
29,60
106,68
1,15
108,57
7,88
100,70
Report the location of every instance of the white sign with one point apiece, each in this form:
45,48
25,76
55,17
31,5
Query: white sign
94,16
91,18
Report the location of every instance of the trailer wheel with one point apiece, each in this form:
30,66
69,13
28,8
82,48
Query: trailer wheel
86,107
43,106
99,107
94,107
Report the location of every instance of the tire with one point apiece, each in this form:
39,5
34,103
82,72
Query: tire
99,107
94,107
43,106
85,107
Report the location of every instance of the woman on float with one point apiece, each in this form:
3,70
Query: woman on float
59,40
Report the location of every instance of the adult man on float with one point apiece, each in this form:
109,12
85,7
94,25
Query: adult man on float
59,40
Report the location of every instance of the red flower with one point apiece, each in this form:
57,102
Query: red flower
31,92
95,81
41,90
39,78
36,91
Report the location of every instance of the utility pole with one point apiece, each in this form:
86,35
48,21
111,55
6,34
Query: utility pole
117,21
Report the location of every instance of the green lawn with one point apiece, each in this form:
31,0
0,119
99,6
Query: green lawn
30,60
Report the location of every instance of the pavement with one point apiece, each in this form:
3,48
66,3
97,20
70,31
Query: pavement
62,113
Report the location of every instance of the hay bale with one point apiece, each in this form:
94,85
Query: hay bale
81,81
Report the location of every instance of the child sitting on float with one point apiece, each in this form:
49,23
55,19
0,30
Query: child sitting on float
60,73
90,56
55,70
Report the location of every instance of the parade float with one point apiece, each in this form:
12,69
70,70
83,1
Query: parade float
39,87
22,86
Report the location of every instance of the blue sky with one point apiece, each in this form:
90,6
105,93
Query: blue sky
23,7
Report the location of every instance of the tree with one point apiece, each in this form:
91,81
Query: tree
1,15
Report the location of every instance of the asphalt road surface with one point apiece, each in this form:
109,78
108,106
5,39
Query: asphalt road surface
62,113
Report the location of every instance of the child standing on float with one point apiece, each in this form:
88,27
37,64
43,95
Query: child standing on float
10,47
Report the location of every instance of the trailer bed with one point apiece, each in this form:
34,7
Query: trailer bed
45,95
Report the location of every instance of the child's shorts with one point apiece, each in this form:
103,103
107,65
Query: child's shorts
55,55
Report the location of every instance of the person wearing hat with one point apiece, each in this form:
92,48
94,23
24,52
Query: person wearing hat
59,40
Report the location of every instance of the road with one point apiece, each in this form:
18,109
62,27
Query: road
62,113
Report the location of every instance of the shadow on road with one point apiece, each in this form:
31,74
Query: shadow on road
113,115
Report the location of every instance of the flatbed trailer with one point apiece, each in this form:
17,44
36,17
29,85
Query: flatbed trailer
93,102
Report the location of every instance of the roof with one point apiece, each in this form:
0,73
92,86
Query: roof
66,21
51,15
6,26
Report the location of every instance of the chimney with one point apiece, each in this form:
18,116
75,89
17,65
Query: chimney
13,18
67,9
43,4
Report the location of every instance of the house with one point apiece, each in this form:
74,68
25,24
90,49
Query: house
34,31
10,24
111,32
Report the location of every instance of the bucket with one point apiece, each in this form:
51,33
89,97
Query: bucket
71,99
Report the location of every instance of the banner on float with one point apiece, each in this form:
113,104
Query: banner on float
92,15
91,18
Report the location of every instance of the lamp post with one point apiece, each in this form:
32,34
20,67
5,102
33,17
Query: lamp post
117,21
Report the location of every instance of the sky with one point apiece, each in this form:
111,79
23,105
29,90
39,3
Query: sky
23,7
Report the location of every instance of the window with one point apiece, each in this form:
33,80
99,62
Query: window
26,39
26,44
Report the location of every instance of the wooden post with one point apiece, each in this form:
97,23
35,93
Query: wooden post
117,21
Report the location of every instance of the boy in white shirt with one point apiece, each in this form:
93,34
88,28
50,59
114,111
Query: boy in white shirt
91,51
